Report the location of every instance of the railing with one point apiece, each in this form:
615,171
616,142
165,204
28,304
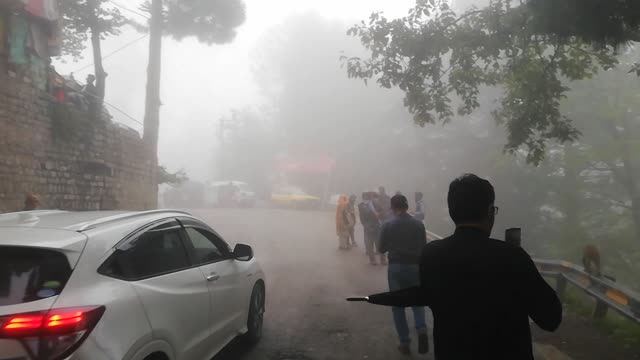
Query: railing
606,292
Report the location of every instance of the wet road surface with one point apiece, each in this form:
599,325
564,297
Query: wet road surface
308,279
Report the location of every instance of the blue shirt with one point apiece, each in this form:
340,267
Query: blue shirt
403,237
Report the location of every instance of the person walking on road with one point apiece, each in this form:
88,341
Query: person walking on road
403,238
370,225
482,291
351,221
342,226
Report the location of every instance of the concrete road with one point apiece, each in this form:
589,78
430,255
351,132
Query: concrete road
308,279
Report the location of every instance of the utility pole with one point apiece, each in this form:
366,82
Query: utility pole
154,72
222,150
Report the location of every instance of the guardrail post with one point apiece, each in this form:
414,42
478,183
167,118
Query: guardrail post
601,310
561,286
601,306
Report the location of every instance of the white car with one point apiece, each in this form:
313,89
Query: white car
123,285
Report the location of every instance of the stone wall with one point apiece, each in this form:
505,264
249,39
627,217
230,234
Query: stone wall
73,163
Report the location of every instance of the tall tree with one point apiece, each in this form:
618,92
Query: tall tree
90,18
209,21
436,56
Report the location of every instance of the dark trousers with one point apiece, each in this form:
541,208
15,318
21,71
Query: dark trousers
372,240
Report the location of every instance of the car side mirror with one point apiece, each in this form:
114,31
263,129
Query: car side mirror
243,252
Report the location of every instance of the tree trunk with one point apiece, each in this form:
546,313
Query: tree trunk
97,58
152,105
96,103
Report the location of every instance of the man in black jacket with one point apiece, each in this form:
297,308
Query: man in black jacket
481,291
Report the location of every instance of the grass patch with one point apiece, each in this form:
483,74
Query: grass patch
613,325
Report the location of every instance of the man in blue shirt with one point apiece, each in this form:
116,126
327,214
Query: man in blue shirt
403,237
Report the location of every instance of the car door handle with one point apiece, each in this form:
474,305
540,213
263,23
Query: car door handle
213,277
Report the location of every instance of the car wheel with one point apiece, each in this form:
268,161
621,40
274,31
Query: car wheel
256,314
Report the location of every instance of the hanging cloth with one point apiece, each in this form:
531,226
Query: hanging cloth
18,34
39,40
3,34
35,8
39,72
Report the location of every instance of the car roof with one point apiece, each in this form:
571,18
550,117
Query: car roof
74,221
68,231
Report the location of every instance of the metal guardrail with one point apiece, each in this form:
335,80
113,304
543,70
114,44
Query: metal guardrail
604,289
606,292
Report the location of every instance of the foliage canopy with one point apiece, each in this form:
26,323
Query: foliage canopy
210,21
79,17
441,60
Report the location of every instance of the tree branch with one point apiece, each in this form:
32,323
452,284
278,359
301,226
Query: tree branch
593,166
620,204
465,16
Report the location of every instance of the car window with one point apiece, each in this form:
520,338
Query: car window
28,274
155,252
205,247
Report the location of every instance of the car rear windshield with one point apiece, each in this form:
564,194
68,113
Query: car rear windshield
28,274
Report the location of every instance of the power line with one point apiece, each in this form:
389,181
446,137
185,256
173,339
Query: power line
124,113
129,9
115,51
114,107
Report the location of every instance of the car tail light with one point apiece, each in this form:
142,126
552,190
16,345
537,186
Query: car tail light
53,334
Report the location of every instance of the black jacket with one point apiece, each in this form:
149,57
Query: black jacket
403,238
482,293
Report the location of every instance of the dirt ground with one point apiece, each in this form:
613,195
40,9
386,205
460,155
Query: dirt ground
308,279
578,337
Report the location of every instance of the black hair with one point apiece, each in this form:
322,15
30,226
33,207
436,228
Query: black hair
399,202
469,199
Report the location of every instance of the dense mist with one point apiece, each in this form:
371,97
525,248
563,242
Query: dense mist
280,93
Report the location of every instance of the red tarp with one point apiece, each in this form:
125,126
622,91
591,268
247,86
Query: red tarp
46,9
35,7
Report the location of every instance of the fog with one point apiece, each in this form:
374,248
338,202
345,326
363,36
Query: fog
280,91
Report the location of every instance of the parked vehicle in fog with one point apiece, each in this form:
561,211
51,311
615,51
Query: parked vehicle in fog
229,194
123,285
